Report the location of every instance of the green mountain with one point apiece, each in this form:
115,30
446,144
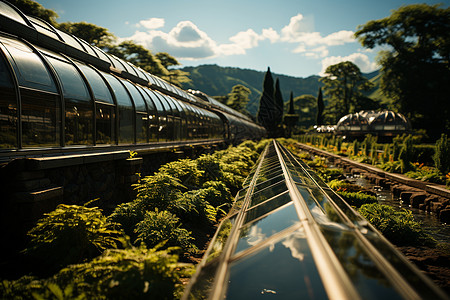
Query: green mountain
218,81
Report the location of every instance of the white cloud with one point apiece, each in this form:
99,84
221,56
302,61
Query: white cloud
246,39
339,38
184,41
152,23
187,41
361,60
297,27
271,35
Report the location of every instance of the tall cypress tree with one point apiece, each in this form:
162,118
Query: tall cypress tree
291,118
320,108
279,104
267,102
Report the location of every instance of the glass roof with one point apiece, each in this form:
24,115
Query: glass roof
289,236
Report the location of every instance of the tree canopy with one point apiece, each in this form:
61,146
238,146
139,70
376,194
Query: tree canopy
91,33
159,64
415,68
238,98
34,9
343,84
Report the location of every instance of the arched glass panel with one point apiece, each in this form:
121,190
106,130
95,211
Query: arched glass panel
79,125
29,68
69,40
7,10
98,85
141,112
40,118
105,128
138,100
8,108
126,111
162,116
153,124
43,27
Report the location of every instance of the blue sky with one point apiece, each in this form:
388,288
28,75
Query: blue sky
293,37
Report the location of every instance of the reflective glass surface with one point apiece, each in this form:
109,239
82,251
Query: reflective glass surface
40,119
8,108
137,97
285,270
97,84
258,231
267,193
105,116
266,207
7,10
71,81
29,68
367,278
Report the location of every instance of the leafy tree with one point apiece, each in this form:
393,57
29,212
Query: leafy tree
320,108
34,9
238,97
343,84
139,56
91,33
415,69
174,76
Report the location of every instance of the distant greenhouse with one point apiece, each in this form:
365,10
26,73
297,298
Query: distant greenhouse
384,123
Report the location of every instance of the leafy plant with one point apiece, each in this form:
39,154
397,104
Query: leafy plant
158,191
71,234
357,198
397,226
442,154
163,226
184,169
209,165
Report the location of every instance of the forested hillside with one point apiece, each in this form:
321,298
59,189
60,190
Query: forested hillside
218,81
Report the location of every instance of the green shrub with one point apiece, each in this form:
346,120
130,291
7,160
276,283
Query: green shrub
128,215
220,194
163,226
397,226
71,234
158,191
136,273
357,198
329,174
442,154
184,169
338,184
406,154
209,165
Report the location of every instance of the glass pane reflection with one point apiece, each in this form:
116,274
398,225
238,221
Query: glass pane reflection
368,280
267,193
258,231
285,269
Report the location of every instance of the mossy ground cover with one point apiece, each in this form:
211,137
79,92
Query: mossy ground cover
146,247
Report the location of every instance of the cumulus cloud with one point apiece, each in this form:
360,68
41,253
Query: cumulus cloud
246,39
297,27
184,41
187,41
152,23
361,60
270,34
